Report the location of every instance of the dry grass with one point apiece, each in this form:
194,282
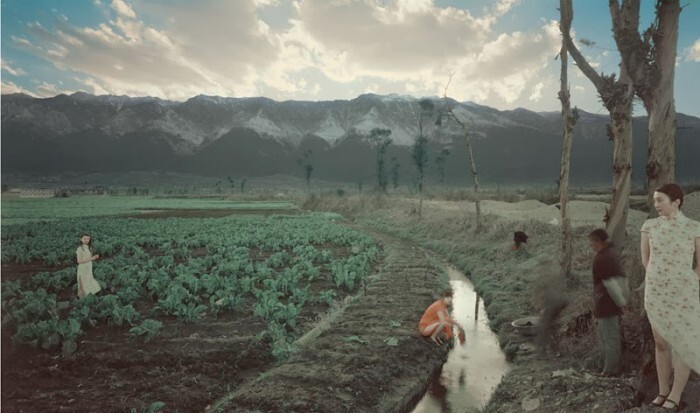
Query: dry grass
509,284
348,206
544,195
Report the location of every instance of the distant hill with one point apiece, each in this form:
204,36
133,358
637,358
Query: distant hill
258,136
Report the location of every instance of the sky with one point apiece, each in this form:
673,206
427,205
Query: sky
499,53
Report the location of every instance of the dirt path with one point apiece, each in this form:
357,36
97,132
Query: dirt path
331,374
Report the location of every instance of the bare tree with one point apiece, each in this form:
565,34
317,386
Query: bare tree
440,161
419,152
472,162
395,167
231,183
305,163
617,96
650,60
569,118
380,138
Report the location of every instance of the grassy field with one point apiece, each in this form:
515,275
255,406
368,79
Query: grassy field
189,246
512,285
23,210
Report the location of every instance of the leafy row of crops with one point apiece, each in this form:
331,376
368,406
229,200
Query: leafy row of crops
190,269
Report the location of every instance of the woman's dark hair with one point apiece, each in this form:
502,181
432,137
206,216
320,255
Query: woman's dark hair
447,293
520,237
673,192
599,234
85,234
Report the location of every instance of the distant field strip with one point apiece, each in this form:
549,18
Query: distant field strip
21,210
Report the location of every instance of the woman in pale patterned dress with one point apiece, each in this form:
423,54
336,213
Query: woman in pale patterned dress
86,281
671,296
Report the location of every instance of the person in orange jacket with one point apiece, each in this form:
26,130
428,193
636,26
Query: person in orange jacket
436,321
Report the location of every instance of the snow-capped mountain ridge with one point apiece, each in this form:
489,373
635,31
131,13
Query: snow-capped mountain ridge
203,119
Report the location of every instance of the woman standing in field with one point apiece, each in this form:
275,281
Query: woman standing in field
671,293
86,281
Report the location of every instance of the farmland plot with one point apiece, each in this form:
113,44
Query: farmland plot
26,210
189,307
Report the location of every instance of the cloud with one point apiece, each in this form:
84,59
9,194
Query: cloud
45,89
123,9
265,3
9,88
14,71
398,37
209,47
692,53
416,45
224,48
504,6
504,68
537,92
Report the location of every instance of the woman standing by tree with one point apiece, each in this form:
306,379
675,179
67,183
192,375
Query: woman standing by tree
86,281
671,292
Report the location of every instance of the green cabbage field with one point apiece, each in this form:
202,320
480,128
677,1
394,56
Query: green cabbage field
189,270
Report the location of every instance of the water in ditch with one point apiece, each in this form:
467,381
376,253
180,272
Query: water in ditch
472,370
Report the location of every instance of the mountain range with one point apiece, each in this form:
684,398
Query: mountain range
211,135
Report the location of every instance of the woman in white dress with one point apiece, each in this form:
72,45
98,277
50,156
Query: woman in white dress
671,295
86,281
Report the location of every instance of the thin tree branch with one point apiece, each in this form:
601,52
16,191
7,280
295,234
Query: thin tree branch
581,61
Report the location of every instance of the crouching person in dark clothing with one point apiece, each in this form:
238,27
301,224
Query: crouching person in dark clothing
610,294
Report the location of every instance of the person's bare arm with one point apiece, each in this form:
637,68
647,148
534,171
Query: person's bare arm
645,249
446,319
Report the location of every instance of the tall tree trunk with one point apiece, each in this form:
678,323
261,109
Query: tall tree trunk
661,161
661,164
472,160
472,168
651,62
617,96
420,202
569,118
621,135
475,174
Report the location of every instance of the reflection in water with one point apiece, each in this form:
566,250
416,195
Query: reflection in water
438,392
472,370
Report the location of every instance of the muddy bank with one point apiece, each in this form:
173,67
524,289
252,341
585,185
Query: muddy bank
353,366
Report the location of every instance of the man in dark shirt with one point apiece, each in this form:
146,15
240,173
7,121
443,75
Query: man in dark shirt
609,298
